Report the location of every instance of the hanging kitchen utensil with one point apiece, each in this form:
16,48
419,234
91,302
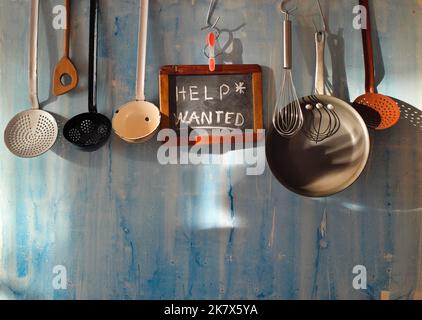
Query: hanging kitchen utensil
336,162
211,45
137,121
31,133
65,77
287,116
212,37
321,121
90,131
386,107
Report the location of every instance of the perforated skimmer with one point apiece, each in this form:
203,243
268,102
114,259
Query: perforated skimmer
31,133
387,109
90,131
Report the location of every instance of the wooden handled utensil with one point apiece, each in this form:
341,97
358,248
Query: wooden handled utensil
387,108
65,76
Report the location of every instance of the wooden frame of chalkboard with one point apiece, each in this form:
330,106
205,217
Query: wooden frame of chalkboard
245,97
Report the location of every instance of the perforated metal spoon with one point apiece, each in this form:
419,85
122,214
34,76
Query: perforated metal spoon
90,131
385,107
31,133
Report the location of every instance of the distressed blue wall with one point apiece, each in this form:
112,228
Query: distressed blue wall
126,227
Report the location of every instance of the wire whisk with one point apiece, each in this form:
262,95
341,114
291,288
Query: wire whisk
288,117
322,122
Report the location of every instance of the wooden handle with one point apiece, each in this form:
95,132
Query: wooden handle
67,30
368,51
65,66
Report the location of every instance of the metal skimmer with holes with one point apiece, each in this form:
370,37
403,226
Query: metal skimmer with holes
31,133
386,109
89,131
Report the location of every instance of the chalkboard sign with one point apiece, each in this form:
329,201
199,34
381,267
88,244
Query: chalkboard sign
229,98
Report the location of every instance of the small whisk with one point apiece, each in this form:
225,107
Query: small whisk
288,116
322,122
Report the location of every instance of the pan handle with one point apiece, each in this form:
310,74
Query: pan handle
368,50
142,49
320,65
33,55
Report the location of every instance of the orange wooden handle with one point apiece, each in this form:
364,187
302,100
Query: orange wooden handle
368,51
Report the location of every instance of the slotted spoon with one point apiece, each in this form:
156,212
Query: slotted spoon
31,133
90,131
387,108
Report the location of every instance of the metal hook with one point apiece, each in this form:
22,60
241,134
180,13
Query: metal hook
324,25
284,10
209,24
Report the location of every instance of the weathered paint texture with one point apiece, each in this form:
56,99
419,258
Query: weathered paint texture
126,227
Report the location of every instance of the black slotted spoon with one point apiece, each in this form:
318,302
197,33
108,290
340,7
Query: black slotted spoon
90,131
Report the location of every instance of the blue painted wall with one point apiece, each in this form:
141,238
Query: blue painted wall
126,227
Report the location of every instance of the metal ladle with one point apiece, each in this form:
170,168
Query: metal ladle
139,120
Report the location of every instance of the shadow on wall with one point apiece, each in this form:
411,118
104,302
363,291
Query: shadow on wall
306,40
378,57
270,96
336,45
235,56
6,293
392,173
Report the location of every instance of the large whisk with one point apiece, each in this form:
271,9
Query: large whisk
288,116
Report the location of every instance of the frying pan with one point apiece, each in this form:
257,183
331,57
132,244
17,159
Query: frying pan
137,121
90,131
330,166
31,133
